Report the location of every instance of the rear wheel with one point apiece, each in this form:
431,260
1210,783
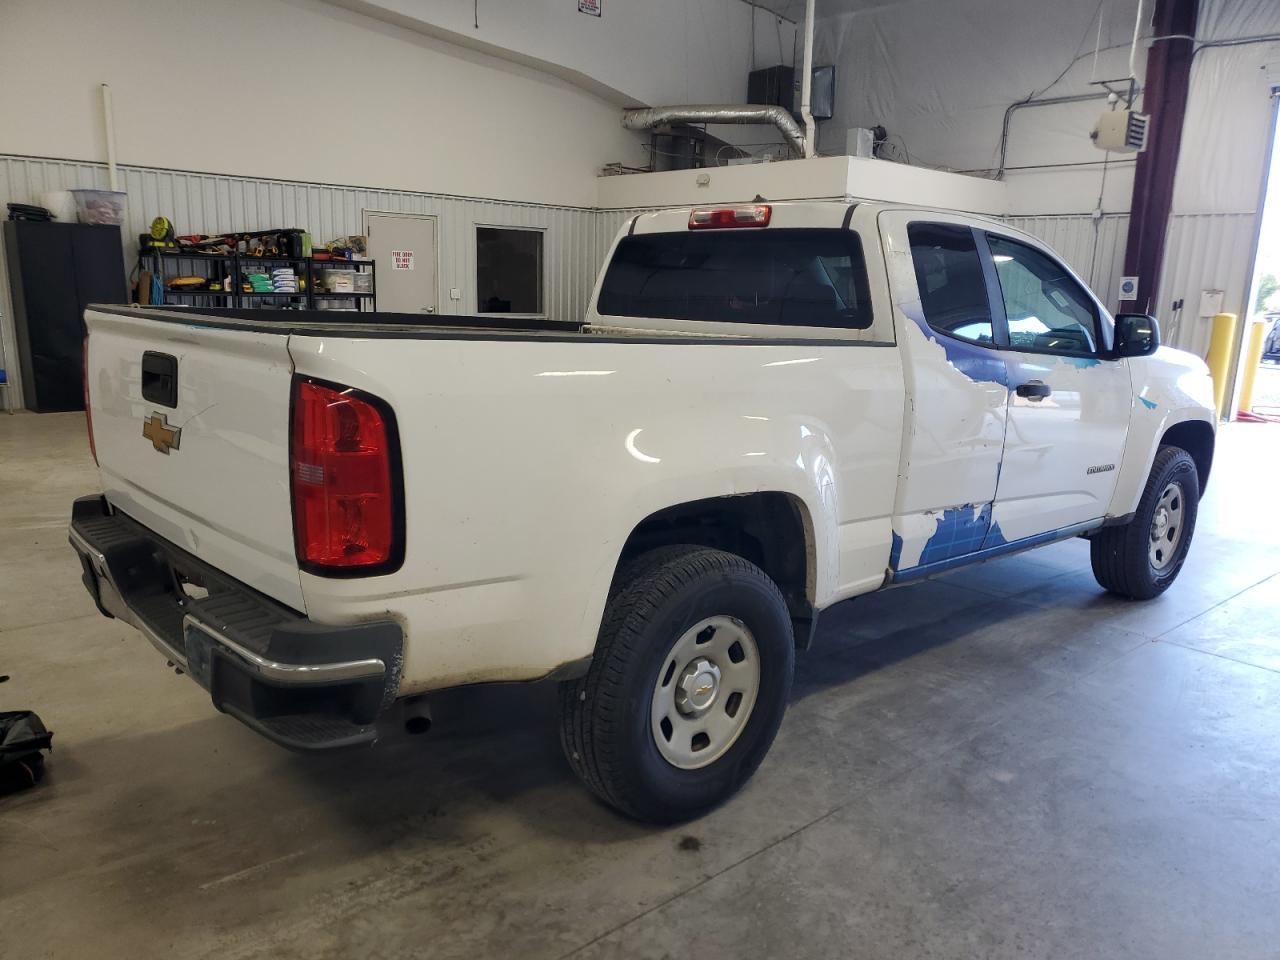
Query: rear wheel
1142,558
687,687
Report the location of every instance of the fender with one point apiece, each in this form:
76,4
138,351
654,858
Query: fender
801,468
1169,387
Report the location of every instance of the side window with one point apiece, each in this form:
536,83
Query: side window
953,291
1048,311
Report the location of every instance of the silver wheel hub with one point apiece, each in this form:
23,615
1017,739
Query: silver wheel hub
705,691
1167,526
698,686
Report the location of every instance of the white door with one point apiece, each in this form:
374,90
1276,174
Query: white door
403,246
956,381
1069,402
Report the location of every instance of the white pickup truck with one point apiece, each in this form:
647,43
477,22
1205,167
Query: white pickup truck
768,409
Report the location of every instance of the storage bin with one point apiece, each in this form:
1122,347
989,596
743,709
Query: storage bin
100,206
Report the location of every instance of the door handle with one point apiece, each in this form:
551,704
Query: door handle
1034,390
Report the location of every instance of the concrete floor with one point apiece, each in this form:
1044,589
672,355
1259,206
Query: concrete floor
1004,763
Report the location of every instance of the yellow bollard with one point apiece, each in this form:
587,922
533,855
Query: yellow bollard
1252,360
1221,343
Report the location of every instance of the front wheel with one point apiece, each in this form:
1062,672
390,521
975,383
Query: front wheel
1142,558
687,687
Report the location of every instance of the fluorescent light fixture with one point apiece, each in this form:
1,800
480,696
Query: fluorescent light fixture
575,373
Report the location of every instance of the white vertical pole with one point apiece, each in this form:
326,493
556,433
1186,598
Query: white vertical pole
109,126
806,82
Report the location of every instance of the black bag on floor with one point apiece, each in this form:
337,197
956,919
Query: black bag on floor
22,737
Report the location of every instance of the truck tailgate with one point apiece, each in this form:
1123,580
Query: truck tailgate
221,491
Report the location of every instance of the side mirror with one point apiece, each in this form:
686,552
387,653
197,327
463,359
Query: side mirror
1137,335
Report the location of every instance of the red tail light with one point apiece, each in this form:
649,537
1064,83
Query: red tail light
718,218
88,410
344,461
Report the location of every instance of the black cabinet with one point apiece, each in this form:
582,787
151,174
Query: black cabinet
55,271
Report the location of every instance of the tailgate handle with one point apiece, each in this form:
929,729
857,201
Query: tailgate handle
160,378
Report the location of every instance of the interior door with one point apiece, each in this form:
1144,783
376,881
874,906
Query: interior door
1069,403
403,246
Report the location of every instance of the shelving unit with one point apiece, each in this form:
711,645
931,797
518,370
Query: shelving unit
352,300
230,270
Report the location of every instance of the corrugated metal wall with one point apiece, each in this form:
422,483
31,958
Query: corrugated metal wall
1204,251
204,203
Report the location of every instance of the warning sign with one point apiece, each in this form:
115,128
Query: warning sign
591,7
401,259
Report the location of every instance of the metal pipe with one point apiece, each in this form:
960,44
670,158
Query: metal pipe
109,126
646,118
806,84
1048,101
1137,33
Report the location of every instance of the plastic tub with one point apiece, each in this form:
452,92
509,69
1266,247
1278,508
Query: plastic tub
100,206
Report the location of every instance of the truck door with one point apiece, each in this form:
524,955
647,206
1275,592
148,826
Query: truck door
1069,402
957,394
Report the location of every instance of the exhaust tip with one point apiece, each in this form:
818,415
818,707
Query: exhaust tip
416,726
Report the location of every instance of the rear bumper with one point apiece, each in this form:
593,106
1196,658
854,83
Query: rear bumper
302,685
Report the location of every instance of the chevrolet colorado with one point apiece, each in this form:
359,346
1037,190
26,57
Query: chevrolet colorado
768,409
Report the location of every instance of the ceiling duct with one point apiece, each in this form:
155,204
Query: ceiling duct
646,118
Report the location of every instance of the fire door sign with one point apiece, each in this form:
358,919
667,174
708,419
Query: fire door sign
401,259
589,7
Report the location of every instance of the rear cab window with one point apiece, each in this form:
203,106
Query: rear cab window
780,277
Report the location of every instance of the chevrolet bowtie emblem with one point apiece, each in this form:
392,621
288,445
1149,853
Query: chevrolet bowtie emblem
162,436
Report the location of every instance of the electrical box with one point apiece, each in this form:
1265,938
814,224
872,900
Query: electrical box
860,142
1121,131
773,85
780,85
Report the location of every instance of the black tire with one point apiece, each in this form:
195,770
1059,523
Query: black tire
1121,555
605,725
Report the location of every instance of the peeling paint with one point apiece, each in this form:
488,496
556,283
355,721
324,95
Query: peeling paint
960,530
978,363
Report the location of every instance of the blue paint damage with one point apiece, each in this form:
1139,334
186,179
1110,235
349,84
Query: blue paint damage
1082,363
994,549
1149,404
960,530
978,363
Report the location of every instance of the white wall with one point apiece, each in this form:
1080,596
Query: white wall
939,75
638,52
297,90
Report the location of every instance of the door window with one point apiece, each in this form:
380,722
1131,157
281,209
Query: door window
1047,310
953,291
